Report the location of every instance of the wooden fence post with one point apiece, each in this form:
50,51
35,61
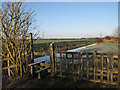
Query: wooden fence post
52,58
111,68
87,57
60,64
55,61
94,61
31,47
73,68
101,76
119,69
31,52
81,65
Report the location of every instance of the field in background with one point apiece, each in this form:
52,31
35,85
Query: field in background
106,47
59,40
43,45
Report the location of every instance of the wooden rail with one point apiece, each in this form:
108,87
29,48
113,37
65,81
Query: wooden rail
40,67
32,65
36,62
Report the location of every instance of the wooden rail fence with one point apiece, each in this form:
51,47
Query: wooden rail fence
97,67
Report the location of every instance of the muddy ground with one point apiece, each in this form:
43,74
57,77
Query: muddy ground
57,82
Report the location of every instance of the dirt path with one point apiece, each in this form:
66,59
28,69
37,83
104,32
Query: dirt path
57,82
